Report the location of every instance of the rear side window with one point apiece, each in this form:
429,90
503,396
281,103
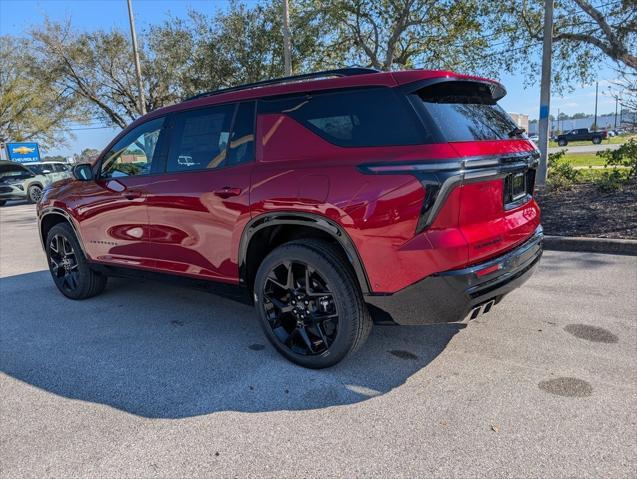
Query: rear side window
354,118
241,146
213,137
199,138
467,111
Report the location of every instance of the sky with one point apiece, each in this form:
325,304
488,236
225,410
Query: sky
18,16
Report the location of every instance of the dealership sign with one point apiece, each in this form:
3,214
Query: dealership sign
23,152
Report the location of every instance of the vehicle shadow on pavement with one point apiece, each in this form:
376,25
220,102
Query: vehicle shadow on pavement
162,351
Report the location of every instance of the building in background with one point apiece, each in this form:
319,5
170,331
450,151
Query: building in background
521,120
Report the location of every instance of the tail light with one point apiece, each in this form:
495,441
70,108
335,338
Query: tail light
440,177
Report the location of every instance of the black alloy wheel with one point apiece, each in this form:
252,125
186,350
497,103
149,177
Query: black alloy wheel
300,308
310,305
63,261
69,269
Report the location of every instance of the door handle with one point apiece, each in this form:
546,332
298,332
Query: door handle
132,194
227,192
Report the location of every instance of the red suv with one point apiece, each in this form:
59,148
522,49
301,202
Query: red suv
332,199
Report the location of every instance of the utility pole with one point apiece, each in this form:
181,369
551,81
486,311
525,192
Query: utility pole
138,68
596,91
558,122
287,47
616,101
545,92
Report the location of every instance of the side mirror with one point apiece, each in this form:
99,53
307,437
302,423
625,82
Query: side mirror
83,172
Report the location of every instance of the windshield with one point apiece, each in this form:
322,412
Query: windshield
39,169
466,111
14,171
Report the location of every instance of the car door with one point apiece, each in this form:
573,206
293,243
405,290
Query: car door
54,172
112,211
197,212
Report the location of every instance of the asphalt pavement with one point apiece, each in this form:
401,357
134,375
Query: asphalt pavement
154,380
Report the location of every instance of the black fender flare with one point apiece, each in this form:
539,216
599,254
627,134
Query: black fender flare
311,220
53,210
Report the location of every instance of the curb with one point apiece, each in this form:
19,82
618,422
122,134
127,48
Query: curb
591,245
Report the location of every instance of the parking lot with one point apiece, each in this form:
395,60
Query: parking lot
155,380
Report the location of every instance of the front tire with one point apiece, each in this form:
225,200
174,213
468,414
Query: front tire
34,193
68,266
597,140
309,304
3,202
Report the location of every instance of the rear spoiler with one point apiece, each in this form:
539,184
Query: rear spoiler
495,89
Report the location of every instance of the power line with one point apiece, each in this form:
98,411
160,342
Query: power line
89,128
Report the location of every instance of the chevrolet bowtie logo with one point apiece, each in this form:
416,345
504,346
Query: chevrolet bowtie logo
23,150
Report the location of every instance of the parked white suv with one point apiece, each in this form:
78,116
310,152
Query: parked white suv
19,182
54,170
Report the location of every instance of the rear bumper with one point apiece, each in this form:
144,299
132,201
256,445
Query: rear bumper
450,296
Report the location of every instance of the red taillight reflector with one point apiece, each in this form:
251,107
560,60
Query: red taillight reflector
490,269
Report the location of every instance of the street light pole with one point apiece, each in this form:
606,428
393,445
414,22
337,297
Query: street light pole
138,68
287,47
545,92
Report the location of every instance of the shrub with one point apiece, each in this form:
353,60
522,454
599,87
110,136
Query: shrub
623,162
561,173
624,157
610,181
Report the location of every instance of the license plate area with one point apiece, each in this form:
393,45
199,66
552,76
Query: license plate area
518,187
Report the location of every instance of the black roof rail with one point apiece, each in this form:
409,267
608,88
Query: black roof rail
339,72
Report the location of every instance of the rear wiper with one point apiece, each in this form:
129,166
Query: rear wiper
516,132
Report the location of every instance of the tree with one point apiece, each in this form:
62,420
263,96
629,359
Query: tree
178,58
584,36
29,109
97,68
88,155
398,34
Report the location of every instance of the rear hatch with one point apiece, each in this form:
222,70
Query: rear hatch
496,211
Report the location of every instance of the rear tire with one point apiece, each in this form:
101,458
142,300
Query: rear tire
68,266
34,193
309,304
3,202
562,142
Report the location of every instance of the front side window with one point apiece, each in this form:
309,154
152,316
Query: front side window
354,118
133,155
199,138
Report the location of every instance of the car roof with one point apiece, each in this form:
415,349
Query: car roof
44,163
292,85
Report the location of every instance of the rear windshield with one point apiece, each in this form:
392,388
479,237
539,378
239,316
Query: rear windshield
354,118
467,111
